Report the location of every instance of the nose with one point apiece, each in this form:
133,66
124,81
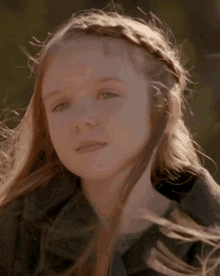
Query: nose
85,121
84,126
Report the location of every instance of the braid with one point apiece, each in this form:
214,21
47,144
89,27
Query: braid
137,33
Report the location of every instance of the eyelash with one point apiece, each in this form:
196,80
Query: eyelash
65,102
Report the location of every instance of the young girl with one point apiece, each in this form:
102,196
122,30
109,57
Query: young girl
101,176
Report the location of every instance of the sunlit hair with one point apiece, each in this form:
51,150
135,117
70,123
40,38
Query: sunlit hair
29,160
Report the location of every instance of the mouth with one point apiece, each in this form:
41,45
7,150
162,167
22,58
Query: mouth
91,147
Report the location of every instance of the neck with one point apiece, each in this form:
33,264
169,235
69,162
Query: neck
103,197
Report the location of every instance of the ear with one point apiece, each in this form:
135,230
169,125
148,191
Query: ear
174,116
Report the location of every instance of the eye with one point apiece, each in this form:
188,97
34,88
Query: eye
62,103
65,102
113,94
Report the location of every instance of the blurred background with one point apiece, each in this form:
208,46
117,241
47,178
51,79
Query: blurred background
194,23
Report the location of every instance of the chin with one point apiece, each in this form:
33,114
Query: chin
96,175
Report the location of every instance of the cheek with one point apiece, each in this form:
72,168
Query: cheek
58,132
132,125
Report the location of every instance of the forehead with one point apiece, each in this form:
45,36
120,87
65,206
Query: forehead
88,50
111,47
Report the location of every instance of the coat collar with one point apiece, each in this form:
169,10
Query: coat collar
62,206
199,205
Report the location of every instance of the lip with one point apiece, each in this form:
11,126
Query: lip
89,144
91,148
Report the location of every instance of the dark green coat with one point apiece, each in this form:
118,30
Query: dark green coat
24,236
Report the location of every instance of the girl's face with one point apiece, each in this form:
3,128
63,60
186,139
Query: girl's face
104,90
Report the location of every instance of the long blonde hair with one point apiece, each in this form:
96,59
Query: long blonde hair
29,160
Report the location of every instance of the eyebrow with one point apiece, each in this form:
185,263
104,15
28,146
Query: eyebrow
102,80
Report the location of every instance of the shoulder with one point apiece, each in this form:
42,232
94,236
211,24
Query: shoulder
9,227
10,217
198,205
23,221
198,195
202,202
